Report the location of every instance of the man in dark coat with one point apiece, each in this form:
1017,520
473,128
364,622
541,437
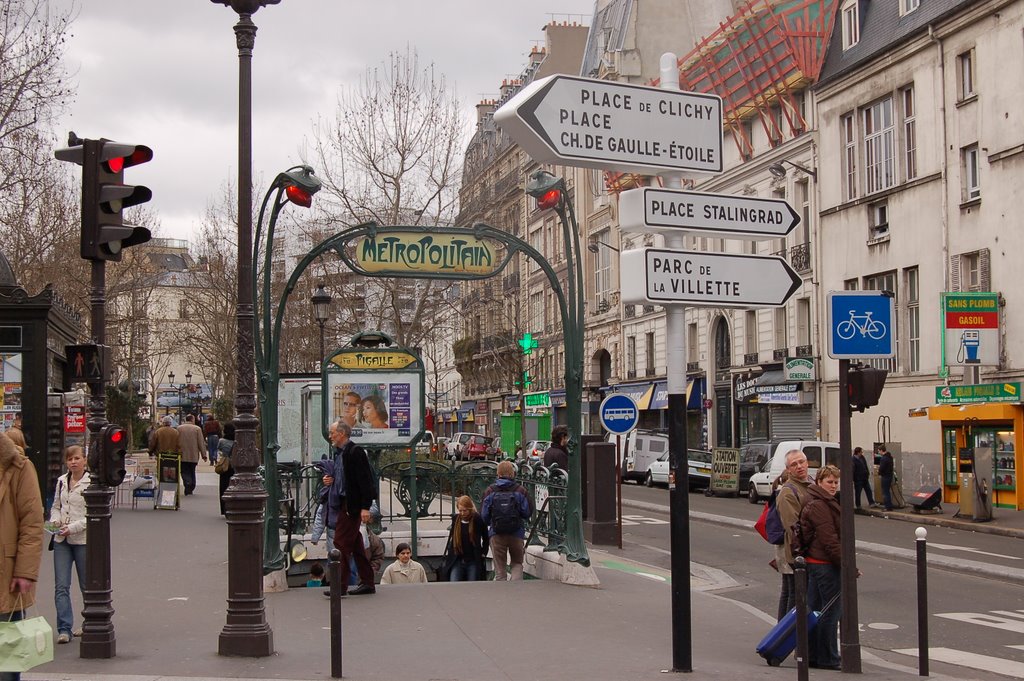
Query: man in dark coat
861,478
556,452
886,472
351,495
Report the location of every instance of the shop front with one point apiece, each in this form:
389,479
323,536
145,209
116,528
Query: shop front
770,407
696,428
466,416
981,428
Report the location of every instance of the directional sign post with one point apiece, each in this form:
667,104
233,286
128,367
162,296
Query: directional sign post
653,209
711,279
591,123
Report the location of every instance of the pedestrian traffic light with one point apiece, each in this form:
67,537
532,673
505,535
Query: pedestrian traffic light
550,199
113,450
547,189
105,196
864,386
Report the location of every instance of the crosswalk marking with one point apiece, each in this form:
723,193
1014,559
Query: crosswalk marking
960,658
985,620
950,547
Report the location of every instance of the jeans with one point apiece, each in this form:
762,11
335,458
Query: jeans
823,583
887,492
211,446
15,616
865,485
465,572
188,476
507,546
787,599
64,556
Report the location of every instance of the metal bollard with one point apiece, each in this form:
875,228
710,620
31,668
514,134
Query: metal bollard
334,569
922,601
802,653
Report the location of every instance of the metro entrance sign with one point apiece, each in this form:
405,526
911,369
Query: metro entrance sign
711,279
591,123
653,209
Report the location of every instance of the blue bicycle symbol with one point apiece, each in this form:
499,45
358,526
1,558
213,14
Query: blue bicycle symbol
869,327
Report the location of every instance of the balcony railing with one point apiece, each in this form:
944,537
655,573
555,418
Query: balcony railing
800,257
779,354
750,358
648,309
511,282
804,351
692,367
723,362
629,311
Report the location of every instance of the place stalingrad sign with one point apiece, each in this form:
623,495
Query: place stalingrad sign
591,123
710,279
671,211
425,253
978,393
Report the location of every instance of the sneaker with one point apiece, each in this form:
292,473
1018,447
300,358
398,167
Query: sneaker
363,589
77,633
63,637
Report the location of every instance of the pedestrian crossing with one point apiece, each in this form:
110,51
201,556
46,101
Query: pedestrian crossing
977,661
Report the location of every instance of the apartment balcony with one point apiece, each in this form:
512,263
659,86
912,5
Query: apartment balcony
799,257
804,351
779,354
511,283
629,311
693,367
750,358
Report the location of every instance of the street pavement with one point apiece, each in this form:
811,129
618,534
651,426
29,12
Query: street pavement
169,578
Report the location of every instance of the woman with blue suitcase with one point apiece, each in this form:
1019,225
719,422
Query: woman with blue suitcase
819,530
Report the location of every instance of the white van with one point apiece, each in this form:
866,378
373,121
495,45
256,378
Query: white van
643,449
816,452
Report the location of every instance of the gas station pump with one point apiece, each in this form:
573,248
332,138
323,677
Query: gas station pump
970,341
975,470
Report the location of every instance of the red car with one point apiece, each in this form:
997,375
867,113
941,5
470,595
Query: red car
479,447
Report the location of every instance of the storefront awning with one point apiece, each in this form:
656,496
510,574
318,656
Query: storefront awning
640,392
694,394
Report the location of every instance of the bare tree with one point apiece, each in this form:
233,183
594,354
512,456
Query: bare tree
392,155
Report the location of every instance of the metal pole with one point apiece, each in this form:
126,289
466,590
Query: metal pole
334,568
618,477
800,581
849,635
922,601
98,638
679,490
246,631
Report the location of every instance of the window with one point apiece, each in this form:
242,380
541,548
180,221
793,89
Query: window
970,271
602,265
970,161
851,23
803,321
878,218
965,74
744,136
849,157
691,343
536,319
908,6
183,308
781,337
750,331
879,152
775,127
801,198
649,351
630,356
913,319
909,132
850,285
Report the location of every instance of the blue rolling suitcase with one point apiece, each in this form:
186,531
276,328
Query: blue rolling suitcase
781,640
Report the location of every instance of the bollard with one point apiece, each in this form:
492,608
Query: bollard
334,568
802,653
922,601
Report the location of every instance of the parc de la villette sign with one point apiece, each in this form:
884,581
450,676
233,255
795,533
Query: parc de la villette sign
409,252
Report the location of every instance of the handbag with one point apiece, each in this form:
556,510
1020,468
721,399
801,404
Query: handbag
50,545
223,464
761,523
25,644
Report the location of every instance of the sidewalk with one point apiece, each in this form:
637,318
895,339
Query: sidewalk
170,582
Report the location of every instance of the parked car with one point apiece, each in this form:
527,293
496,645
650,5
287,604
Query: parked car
534,450
479,447
760,486
426,447
457,444
640,449
441,448
753,457
698,463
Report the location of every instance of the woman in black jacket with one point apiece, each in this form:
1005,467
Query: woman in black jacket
467,544
822,549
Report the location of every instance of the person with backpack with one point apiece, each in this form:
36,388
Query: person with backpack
817,539
790,499
506,508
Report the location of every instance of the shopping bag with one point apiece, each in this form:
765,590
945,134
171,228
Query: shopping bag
25,644
762,522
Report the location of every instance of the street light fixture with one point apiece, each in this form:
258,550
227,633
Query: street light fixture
779,170
246,631
595,244
321,312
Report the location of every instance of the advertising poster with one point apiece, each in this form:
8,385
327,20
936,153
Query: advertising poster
725,470
383,408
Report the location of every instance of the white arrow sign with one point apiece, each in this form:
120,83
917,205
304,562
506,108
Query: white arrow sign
592,123
712,279
652,209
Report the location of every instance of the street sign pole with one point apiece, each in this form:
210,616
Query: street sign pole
679,500
618,479
849,634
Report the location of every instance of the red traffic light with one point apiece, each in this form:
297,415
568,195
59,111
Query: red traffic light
139,154
551,199
299,196
117,436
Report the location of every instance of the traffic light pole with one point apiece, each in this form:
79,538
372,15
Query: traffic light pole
98,639
849,634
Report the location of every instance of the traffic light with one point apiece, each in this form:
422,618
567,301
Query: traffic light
552,198
113,450
105,196
864,386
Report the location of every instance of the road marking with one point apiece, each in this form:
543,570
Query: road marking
883,626
950,547
642,520
960,658
985,620
178,598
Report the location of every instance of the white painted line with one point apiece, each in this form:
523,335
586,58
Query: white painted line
950,547
960,658
985,620
883,626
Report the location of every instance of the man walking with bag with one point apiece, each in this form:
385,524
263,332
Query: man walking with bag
21,529
352,492
506,508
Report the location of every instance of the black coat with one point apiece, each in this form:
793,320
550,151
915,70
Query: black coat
556,454
477,552
885,465
360,489
860,468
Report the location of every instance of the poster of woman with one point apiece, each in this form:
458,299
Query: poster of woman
380,412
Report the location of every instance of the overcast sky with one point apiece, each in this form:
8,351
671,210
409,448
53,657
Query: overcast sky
165,73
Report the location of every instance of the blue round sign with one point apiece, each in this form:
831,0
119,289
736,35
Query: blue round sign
619,414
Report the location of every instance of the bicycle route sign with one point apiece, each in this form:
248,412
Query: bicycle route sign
861,324
619,414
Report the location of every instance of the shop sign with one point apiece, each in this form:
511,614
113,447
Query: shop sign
756,387
779,398
416,252
369,360
537,399
798,369
970,327
972,394
725,470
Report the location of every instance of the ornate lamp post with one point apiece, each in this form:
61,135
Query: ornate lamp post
188,389
321,313
246,631
551,192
